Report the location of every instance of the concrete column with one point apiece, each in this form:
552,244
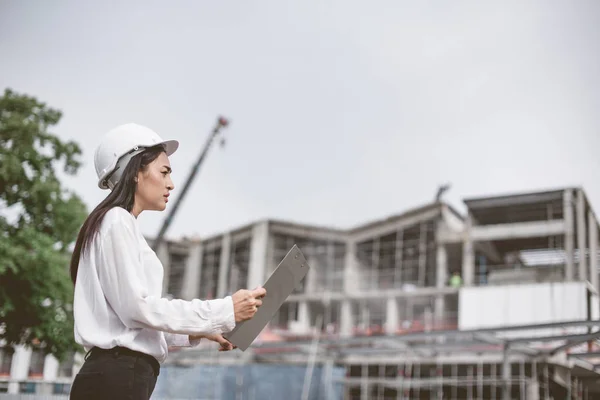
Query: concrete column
327,379
50,374
391,319
224,265
422,254
258,254
313,275
346,319
373,270
593,237
569,234
506,366
304,316
51,366
442,266
581,236
364,383
533,389
468,262
19,369
270,263
441,280
163,255
351,270
330,277
398,256
193,270
44,388
78,362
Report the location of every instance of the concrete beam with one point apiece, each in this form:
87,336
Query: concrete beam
458,357
518,230
213,243
391,227
490,251
376,294
513,200
446,236
313,233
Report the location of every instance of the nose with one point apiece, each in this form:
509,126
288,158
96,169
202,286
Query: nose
170,184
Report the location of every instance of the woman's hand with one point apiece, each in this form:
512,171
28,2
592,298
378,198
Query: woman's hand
246,303
226,345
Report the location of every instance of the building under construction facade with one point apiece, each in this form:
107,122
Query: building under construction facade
500,302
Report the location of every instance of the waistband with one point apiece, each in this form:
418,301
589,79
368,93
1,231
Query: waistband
115,351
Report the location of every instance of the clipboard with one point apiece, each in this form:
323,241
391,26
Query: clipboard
282,282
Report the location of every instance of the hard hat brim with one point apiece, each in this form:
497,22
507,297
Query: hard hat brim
171,146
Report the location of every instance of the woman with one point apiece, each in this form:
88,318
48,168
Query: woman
120,317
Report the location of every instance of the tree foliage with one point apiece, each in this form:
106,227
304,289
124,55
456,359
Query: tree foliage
39,220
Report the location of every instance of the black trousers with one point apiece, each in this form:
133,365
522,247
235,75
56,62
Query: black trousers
115,374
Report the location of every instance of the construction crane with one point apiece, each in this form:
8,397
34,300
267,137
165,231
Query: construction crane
221,123
440,191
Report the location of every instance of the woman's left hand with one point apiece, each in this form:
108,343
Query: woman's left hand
226,345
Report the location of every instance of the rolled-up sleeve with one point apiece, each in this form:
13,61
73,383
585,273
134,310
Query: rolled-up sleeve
121,267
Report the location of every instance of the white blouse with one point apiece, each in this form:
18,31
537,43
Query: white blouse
118,296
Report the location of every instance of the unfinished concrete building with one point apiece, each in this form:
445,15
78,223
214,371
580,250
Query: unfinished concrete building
379,295
501,302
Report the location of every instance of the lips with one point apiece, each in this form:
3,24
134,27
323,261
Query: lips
166,196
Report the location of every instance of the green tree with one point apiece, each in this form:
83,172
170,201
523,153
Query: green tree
39,220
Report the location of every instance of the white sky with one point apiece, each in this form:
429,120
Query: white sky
342,111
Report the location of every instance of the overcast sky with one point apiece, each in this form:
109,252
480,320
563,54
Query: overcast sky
342,111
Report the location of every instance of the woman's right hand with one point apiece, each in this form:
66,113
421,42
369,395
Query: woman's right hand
246,303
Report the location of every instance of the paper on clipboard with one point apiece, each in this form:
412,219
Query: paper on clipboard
288,274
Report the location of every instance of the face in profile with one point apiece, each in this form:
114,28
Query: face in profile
154,184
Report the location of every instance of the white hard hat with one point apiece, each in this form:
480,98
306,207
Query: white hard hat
119,145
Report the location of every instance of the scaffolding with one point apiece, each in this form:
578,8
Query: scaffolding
326,258
209,273
541,361
404,258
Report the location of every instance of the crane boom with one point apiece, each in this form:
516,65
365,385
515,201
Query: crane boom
221,122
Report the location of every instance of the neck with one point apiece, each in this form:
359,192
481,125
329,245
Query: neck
137,209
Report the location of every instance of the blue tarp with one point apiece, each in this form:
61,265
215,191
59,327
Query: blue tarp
245,382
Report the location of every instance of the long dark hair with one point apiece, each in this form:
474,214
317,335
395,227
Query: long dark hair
122,195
